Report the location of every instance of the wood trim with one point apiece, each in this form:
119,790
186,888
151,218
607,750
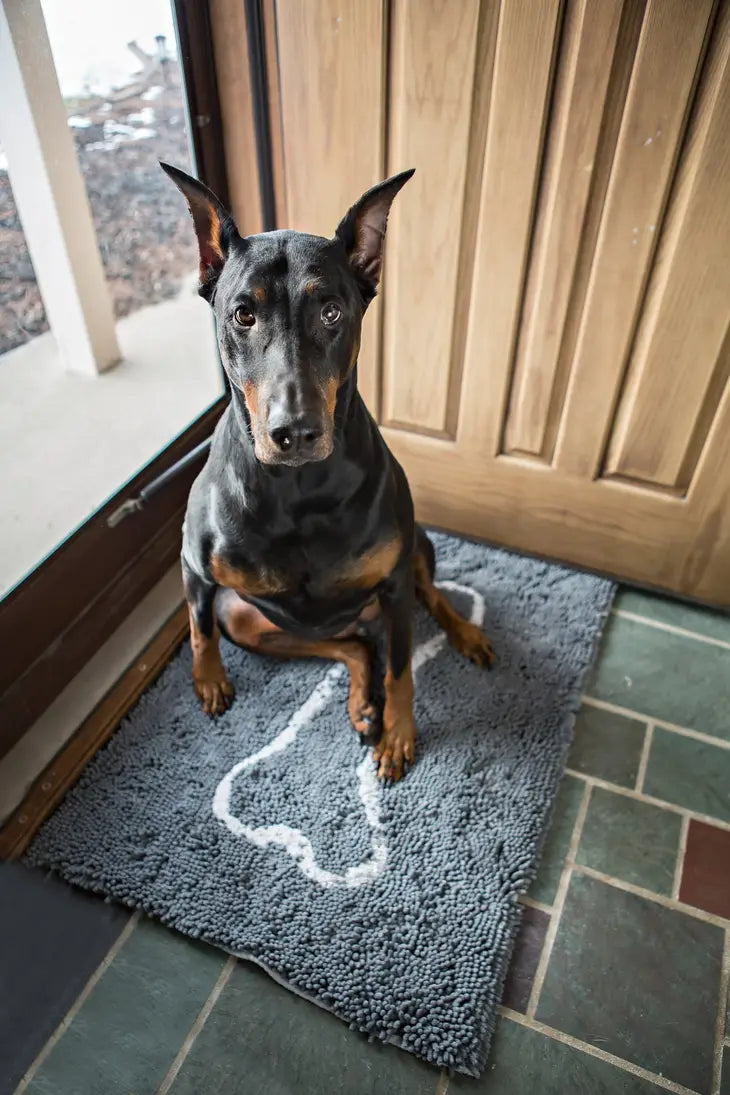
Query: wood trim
268,12
195,41
235,94
63,771
53,622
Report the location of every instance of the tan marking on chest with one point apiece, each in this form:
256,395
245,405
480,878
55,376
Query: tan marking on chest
252,583
373,567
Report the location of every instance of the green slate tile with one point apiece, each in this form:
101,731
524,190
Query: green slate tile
557,841
630,840
669,676
689,773
129,1029
704,621
725,1077
636,979
607,745
523,1062
261,1038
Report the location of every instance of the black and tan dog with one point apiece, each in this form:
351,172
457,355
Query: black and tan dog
300,526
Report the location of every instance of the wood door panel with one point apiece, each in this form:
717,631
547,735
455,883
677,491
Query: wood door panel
523,69
431,82
554,367
672,41
687,306
331,91
614,524
589,36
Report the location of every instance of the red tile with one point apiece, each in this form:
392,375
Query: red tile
706,872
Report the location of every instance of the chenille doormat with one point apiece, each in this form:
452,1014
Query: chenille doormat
266,832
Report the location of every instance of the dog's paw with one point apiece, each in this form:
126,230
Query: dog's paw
363,716
397,747
470,641
215,694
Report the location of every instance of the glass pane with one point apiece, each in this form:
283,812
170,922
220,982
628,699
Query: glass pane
68,440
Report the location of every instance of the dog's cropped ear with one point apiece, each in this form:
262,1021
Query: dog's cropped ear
362,230
214,227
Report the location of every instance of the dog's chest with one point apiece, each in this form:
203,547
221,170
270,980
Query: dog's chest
317,574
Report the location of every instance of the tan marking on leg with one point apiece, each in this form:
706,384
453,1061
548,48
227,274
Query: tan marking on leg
463,635
397,744
209,677
351,652
248,627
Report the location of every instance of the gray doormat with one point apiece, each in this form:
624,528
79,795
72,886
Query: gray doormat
266,833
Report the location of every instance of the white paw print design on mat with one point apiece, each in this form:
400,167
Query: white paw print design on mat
293,841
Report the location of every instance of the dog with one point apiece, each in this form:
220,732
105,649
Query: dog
300,528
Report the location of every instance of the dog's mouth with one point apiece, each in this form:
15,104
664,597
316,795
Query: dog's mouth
272,457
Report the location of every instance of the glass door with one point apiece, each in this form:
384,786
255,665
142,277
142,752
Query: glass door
109,370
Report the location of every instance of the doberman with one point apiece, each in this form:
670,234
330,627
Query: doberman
300,527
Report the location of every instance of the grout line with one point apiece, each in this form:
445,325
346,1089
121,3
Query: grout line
197,1026
671,628
79,1001
681,851
627,792
720,1029
443,1084
644,759
649,895
530,903
558,903
629,712
594,1051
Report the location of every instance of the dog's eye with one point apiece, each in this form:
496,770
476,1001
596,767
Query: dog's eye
331,313
243,316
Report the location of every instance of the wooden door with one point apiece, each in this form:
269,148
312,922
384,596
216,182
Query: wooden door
549,358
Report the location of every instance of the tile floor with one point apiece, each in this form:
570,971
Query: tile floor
619,982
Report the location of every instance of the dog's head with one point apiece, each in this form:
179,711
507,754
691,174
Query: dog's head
289,310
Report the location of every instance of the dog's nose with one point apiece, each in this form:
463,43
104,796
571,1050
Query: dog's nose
297,435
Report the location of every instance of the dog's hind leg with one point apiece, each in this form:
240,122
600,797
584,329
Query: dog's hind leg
464,636
244,625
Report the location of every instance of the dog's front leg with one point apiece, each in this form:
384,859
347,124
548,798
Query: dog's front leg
398,741
209,677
